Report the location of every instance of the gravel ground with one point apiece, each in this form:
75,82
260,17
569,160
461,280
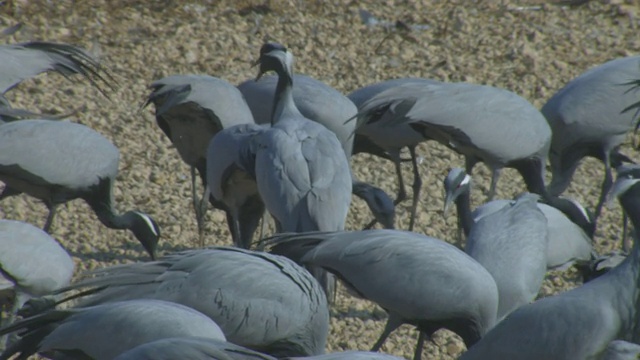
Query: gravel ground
530,47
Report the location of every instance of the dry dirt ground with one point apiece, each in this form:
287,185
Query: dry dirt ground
530,47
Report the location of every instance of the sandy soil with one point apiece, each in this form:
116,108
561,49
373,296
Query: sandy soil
530,47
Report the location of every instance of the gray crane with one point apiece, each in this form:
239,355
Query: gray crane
233,185
191,348
387,141
190,110
567,245
511,244
587,119
417,279
261,301
59,161
325,105
104,331
580,323
32,264
483,123
303,175
349,355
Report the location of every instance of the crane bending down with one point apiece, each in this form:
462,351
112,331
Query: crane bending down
59,161
417,279
190,110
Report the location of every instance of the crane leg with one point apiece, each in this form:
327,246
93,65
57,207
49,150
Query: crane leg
625,230
417,185
606,186
495,175
52,213
402,192
8,339
199,206
418,354
392,323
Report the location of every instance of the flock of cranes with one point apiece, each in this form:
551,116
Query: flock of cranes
281,145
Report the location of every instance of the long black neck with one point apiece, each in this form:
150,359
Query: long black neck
463,205
283,98
101,201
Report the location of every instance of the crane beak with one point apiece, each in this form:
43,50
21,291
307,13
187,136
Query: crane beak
448,200
260,73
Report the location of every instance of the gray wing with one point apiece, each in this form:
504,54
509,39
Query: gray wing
190,109
19,62
590,106
33,259
314,99
363,94
261,301
511,244
466,117
303,177
191,348
45,152
105,331
227,154
567,241
385,136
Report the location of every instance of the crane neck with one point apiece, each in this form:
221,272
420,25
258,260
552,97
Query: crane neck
283,104
465,217
100,199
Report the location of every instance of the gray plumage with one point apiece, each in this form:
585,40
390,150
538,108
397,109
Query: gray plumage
314,99
511,244
233,185
387,141
104,331
567,244
482,123
191,348
32,264
261,301
190,110
59,161
19,62
417,279
323,104
587,120
577,324
349,355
